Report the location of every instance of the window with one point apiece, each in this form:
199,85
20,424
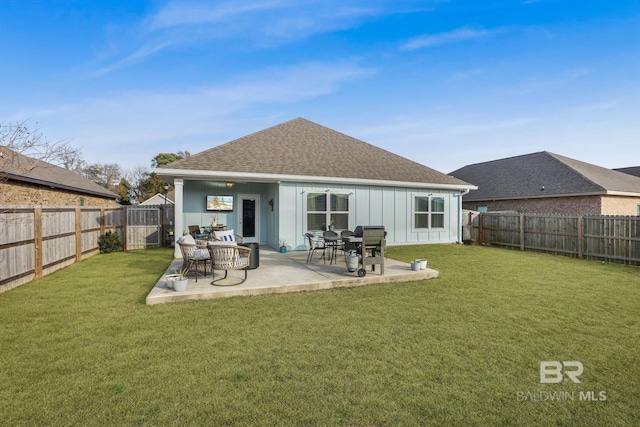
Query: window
638,213
322,215
428,212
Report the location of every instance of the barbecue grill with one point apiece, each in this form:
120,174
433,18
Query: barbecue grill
369,243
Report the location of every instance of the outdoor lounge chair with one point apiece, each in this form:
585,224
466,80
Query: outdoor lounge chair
228,257
314,243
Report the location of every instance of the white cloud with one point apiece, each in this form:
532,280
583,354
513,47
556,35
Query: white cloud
454,36
262,23
131,128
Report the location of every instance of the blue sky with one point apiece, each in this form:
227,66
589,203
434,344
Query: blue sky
445,83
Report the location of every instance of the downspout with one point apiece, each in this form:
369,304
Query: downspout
462,193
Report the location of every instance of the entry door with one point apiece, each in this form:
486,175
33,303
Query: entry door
249,218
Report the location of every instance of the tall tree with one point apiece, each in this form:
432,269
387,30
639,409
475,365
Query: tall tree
17,138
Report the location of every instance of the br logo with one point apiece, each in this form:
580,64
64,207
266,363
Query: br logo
551,371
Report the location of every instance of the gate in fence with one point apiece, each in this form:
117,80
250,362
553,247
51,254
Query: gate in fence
144,227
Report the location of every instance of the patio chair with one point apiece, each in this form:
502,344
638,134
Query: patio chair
192,256
343,234
194,230
314,243
229,257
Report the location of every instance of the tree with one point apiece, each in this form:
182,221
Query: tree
71,159
16,139
166,158
155,183
107,175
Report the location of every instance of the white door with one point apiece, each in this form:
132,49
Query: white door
249,217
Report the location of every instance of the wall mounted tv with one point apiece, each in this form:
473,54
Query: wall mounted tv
220,203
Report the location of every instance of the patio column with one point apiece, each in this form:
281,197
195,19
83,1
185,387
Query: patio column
178,216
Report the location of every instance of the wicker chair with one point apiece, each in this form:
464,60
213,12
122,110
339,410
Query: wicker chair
192,257
229,257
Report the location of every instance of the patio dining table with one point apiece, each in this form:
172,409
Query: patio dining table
331,242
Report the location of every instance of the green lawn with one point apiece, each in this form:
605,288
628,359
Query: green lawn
79,347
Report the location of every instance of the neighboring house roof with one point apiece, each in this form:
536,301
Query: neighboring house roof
634,170
158,199
300,150
18,167
543,174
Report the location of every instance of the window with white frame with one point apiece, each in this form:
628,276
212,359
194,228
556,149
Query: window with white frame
327,211
428,212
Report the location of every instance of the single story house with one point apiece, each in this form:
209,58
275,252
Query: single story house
160,199
545,182
28,181
282,182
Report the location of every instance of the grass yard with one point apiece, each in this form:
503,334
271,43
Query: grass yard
79,347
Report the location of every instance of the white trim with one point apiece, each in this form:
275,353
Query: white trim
428,213
263,177
178,186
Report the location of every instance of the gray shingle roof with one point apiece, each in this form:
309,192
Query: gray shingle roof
634,170
300,147
525,176
19,167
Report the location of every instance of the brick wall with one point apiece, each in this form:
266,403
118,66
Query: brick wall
617,205
24,194
579,205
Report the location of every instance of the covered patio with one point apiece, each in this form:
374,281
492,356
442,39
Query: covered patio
281,273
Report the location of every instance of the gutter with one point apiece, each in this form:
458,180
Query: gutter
548,196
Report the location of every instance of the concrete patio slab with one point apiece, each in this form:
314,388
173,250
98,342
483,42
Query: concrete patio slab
281,273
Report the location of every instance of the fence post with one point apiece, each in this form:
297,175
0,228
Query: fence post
37,241
125,220
480,230
580,235
103,214
522,232
78,234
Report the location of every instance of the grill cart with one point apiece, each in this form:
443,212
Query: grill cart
367,246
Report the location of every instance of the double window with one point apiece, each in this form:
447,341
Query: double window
327,211
428,212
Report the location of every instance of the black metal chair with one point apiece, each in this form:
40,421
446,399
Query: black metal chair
343,234
331,240
314,243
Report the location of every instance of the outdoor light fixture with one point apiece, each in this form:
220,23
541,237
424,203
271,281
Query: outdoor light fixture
230,184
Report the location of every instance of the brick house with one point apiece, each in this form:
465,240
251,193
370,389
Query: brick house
27,181
545,182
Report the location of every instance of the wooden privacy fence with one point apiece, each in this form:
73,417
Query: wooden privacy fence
610,238
36,241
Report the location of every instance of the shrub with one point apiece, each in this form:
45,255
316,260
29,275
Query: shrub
109,242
